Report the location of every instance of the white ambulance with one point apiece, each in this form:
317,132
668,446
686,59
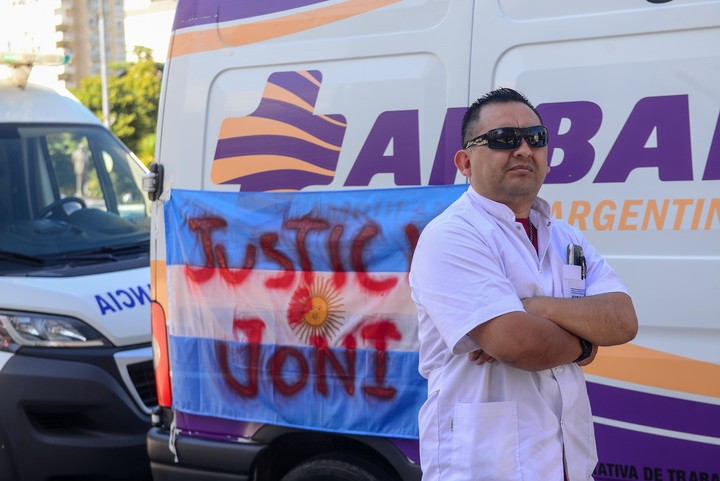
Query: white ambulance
357,95
76,382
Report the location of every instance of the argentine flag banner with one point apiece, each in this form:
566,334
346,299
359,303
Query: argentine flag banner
294,308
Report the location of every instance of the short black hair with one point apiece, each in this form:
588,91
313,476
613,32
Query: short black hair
502,95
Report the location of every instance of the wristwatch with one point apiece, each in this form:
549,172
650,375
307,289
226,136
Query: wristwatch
586,350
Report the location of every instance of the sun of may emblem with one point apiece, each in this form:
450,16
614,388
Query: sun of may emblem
315,310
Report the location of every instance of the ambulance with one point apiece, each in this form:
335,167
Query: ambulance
303,144
76,373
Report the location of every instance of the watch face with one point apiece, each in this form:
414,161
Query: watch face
586,347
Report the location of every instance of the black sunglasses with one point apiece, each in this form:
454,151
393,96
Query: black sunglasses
510,138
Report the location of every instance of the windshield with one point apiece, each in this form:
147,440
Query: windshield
68,190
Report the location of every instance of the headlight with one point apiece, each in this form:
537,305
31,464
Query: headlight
44,330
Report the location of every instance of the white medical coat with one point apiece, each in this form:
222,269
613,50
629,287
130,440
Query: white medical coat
473,263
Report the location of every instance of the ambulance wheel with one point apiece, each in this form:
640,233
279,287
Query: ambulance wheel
337,467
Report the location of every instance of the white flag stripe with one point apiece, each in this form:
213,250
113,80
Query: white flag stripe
209,309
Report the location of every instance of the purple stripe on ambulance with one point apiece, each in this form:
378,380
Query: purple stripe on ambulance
280,180
626,454
219,428
654,410
305,85
331,131
202,12
275,145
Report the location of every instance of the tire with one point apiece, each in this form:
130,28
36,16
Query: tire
337,467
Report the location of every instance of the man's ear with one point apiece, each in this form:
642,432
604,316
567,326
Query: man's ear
462,162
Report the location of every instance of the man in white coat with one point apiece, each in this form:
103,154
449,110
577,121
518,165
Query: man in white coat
506,320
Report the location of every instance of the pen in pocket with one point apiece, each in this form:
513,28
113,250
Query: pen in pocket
576,257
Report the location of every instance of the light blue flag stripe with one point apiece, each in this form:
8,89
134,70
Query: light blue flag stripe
373,228
293,387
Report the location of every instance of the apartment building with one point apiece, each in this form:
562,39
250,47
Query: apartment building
75,26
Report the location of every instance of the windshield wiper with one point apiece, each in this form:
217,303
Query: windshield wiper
20,257
125,248
103,253
84,256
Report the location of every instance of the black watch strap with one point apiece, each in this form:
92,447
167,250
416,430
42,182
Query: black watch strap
586,350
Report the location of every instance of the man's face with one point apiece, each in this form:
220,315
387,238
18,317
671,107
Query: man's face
514,176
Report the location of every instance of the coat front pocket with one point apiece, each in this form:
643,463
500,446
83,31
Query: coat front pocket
485,442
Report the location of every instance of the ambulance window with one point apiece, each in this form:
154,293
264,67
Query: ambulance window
8,151
75,168
74,188
125,177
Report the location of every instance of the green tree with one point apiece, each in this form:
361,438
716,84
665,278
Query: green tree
133,97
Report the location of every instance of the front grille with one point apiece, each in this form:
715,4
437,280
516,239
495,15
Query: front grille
142,376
